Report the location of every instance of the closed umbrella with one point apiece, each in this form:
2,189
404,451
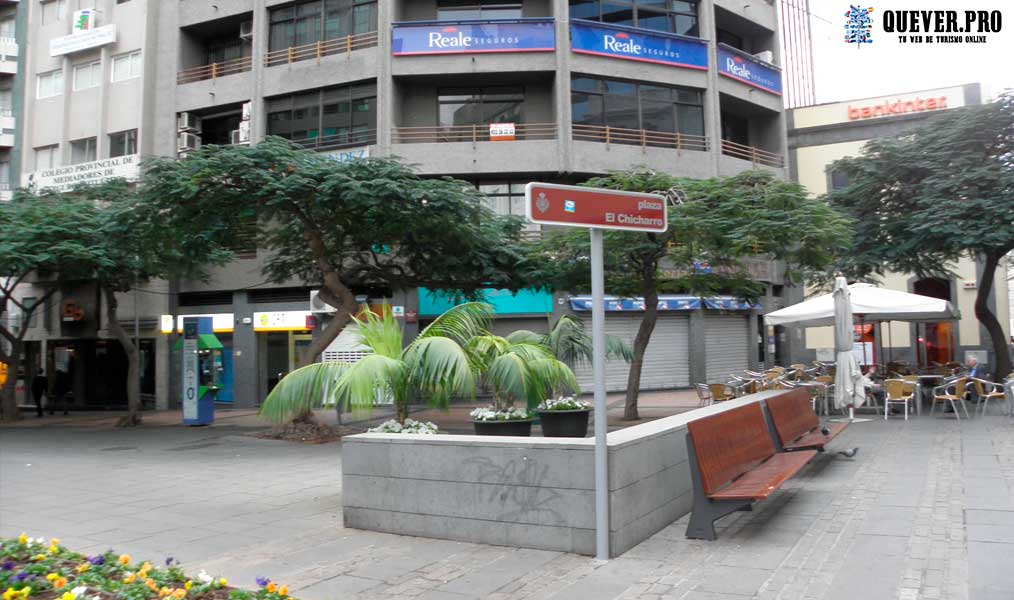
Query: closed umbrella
848,379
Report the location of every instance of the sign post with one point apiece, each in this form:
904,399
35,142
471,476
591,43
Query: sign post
597,209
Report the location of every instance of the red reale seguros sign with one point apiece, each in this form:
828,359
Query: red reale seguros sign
597,208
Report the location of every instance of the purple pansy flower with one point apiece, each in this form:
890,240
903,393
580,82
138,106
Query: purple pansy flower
263,581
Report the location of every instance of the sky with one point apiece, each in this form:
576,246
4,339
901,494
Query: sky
886,66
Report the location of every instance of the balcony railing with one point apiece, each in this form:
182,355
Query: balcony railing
754,155
215,70
336,142
639,137
318,50
469,133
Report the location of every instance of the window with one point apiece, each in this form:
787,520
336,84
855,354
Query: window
319,21
127,66
123,143
839,179
8,28
673,16
328,118
87,75
629,105
81,4
47,157
462,10
220,51
82,151
5,175
480,106
50,84
29,303
53,10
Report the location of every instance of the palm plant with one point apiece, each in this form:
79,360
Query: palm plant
436,364
518,370
570,342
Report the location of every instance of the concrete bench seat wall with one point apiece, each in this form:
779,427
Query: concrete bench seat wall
525,492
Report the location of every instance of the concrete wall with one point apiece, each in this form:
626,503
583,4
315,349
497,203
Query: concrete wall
527,492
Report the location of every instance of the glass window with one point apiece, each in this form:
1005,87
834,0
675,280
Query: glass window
660,15
53,10
82,151
49,84
47,157
629,105
320,20
127,66
5,175
328,118
464,10
87,75
123,143
480,106
8,28
839,179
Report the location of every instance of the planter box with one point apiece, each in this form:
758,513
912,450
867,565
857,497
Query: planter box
519,428
565,423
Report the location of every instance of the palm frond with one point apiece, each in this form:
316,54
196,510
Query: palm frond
529,351
441,368
571,343
548,376
381,333
461,323
523,336
508,375
370,376
302,390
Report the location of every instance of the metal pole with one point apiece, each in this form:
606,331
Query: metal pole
599,378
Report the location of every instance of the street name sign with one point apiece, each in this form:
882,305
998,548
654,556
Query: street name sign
597,208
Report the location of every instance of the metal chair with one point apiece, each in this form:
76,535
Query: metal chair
987,390
720,392
897,391
703,394
953,392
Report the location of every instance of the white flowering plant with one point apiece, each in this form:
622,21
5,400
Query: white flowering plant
563,403
410,426
504,414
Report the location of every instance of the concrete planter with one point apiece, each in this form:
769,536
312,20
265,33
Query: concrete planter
565,423
522,428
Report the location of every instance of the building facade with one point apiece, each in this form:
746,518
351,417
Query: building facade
498,93
10,92
820,134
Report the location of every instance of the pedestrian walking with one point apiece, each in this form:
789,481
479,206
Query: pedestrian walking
40,386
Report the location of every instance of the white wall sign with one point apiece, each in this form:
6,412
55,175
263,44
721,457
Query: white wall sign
349,154
82,40
220,322
286,320
501,132
65,178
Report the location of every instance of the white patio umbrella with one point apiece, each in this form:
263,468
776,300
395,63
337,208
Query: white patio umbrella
848,385
873,303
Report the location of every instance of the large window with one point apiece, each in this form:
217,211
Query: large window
673,16
88,75
624,104
53,10
47,157
127,66
82,151
329,118
462,10
49,84
480,106
320,20
123,143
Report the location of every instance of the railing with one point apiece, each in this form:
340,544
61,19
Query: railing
317,50
215,70
639,137
6,112
469,133
754,155
335,142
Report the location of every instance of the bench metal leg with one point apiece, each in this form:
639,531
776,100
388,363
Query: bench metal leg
706,511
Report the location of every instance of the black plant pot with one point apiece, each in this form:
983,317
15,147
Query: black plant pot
565,423
521,428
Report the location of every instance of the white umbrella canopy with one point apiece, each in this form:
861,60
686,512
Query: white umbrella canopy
848,386
870,301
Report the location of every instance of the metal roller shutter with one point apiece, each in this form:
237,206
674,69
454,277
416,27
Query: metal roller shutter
504,327
727,345
666,360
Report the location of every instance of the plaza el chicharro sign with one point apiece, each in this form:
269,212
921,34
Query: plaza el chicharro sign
63,179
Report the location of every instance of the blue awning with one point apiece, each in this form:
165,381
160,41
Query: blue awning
665,303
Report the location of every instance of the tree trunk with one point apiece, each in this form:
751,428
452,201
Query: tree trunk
133,361
989,320
644,331
8,399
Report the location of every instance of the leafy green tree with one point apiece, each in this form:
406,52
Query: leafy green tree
43,241
719,221
924,198
369,224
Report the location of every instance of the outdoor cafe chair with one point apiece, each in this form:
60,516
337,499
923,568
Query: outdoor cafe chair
953,392
703,394
987,390
720,392
897,391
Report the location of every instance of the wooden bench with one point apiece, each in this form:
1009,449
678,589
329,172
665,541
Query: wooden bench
733,463
796,425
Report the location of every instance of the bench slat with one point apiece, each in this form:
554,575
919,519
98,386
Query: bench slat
764,479
792,415
729,444
816,439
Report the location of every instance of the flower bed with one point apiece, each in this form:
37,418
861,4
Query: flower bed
33,568
410,426
563,403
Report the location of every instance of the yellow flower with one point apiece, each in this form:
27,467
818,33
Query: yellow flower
23,540
124,559
189,584
54,549
162,593
151,585
82,567
60,583
54,542
283,591
52,577
130,578
68,596
179,594
11,592
271,587
222,582
39,557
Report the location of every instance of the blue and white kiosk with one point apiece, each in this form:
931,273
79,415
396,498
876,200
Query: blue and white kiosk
202,366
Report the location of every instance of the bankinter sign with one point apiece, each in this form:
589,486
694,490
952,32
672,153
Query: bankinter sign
596,208
891,108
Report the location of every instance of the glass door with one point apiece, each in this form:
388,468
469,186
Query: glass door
299,343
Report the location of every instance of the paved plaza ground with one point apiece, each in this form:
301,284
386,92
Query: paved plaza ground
925,511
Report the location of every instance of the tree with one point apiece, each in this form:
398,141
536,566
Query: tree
924,198
365,225
43,241
719,222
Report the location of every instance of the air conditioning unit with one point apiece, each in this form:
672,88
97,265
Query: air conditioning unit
767,56
187,142
317,305
246,111
246,30
188,122
234,137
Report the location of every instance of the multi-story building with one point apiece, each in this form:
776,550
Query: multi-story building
821,134
497,92
10,86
